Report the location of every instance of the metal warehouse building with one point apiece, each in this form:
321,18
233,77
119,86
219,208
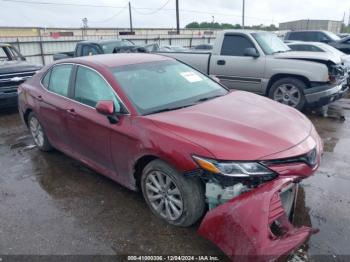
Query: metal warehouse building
308,24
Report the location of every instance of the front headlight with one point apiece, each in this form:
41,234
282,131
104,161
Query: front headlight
233,169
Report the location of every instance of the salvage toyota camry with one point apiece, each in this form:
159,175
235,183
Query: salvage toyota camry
194,149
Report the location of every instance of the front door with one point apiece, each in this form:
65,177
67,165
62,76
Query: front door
90,132
235,70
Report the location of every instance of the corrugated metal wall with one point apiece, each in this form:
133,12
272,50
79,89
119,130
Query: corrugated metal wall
40,50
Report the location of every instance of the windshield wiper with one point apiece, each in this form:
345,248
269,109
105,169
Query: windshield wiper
206,99
278,52
168,109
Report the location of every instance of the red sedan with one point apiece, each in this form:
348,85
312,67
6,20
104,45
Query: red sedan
154,124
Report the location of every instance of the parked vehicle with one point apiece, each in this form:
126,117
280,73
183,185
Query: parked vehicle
203,47
154,124
172,48
14,70
324,48
343,35
88,48
260,62
342,44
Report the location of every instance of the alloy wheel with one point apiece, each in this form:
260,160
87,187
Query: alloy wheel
164,195
36,131
287,94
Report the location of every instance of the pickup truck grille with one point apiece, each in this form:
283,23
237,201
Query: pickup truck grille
9,81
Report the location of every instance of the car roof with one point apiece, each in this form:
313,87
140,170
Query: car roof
114,60
245,31
306,43
302,31
102,41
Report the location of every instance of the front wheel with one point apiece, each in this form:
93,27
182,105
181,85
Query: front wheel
172,197
289,91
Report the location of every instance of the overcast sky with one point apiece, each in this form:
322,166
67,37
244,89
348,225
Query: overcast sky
20,13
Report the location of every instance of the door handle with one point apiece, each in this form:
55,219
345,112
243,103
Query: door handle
221,62
71,112
40,98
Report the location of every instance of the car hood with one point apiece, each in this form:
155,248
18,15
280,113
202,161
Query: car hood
238,126
12,67
309,56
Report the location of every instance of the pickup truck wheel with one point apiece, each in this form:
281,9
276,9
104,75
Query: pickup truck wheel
38,134
172,197
289,91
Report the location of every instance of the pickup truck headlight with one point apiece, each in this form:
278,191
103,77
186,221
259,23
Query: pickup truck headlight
233,169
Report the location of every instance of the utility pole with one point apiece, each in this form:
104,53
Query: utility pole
243,11
177,18
130,17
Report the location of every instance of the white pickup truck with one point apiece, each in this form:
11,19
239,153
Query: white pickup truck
260,62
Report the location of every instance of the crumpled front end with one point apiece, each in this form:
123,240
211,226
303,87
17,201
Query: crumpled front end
254,226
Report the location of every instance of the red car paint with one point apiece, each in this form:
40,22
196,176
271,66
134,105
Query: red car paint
238,126
234,226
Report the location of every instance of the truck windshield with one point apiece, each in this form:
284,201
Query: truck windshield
165,85
109,47
7,53
270,43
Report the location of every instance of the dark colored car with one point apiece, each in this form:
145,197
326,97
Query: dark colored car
14,70
154,124
342,44
98,47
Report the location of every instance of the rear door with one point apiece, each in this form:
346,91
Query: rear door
235,70
53,103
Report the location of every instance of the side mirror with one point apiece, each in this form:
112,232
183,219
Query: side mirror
105,107
251,51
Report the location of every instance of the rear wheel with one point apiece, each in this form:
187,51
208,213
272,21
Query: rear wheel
172,197
289,91
38,134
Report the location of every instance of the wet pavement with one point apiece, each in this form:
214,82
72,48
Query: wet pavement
52,204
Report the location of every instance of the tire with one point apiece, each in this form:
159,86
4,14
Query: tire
289,91
38,133
190,194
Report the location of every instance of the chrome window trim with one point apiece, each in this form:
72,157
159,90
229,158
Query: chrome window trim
70,99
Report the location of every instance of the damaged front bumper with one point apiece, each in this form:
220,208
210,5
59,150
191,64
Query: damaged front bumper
325,94
254,226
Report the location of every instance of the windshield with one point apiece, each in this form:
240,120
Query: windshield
165,85
332,36
8,53
270,43
109,47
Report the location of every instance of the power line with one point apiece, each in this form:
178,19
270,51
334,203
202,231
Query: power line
153,12
134,8
62,4
111,17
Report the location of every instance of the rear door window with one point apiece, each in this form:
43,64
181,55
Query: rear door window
235,45
59,79
303,36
